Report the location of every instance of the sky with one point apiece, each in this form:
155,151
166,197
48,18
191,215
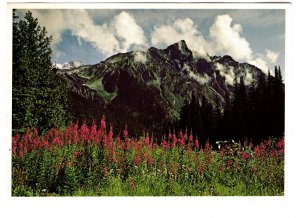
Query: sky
256,36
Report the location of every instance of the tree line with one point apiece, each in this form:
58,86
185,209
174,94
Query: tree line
251,113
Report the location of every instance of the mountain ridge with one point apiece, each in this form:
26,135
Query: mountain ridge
150,87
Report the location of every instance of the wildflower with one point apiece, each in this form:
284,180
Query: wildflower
257,151
197,142
105,172
103,123
245,156
110,134
84,132
146,139
35,133
149,160
125,132
137,160
76,154
14,149
169,135
174,140
57,141
132,184
165,145
207,146
229,164
251,145
222,168
20,154
185,134
254,169
191,138
93,132
262,146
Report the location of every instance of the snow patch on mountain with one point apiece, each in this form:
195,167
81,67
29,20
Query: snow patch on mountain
68,65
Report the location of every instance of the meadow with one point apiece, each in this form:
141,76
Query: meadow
95,161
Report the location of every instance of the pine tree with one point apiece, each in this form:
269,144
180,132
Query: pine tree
38,93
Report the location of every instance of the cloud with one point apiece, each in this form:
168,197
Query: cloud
248,78
127,29
108,38
199,78
227,38
227,73
140,57
180,29
271,55
261,63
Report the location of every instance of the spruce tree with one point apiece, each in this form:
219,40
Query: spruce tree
38,93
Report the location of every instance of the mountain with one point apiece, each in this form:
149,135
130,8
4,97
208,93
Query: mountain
147,89
68,65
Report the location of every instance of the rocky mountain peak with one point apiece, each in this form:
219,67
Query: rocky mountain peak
179,51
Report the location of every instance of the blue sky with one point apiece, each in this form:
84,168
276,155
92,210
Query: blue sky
256,36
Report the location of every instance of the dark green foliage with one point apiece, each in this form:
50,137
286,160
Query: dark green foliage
38,93
255,112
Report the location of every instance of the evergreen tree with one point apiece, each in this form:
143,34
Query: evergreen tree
38,93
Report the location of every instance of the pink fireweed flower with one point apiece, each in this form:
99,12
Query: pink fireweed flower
197,143
273,153
84,132
149,160
222,168
146,139
280,143
20,153
166,145
257,151
251,145
185,134
35,133
191,138
207,146
132,184
57,141
180,134
254,169
137,160
93,132
174,140
110,134
125,132
245,156
103,123
262,146
229,164
169,135
20,145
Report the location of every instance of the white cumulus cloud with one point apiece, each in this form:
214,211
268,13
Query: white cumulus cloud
180,29
272,55
228,40
108,38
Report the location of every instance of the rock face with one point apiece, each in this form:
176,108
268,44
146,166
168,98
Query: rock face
146,89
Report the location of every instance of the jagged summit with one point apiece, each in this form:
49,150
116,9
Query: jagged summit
180,51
